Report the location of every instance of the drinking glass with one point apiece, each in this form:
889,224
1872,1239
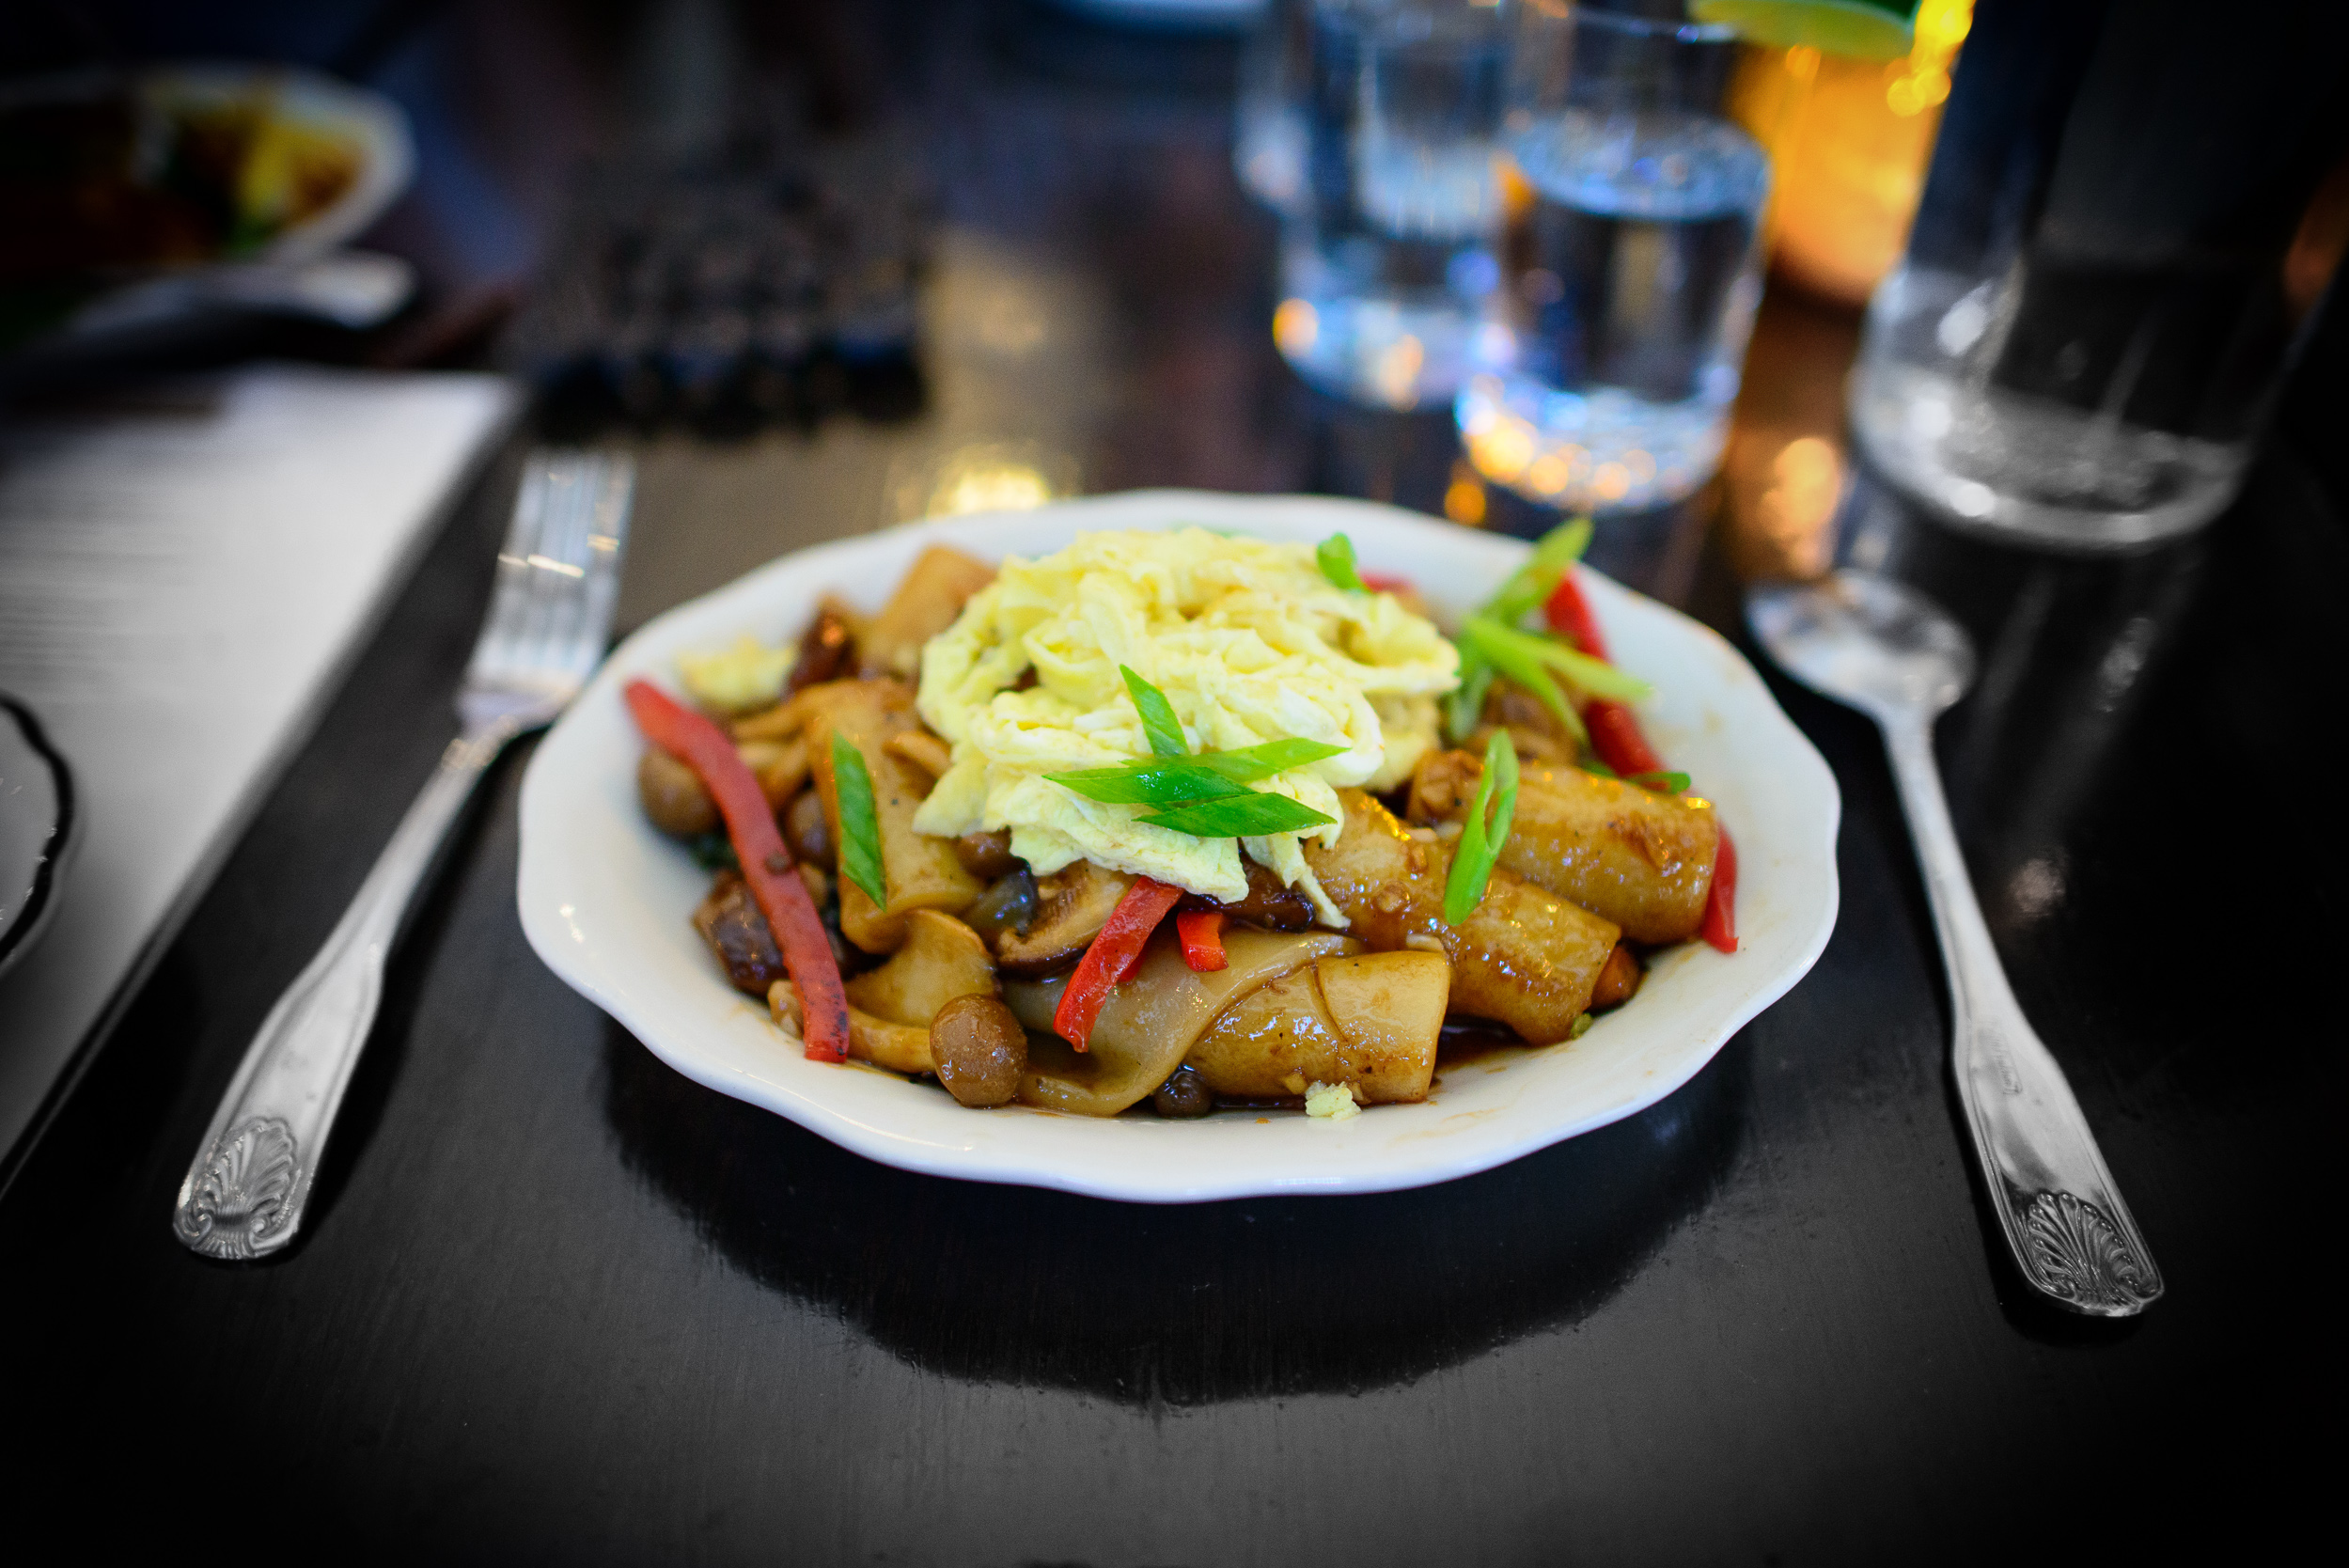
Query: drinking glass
1633,269
2102,290
1388,260
1269,127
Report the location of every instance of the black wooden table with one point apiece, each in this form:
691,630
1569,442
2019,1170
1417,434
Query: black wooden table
555,1301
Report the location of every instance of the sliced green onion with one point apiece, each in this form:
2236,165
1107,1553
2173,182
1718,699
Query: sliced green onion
860,827
1209,776
1463,709
1154,781
1580,1027
1479,847
1247,816
1267,758
1493,641
1595,676
1669,782
1531,585
1594,765
1335,555
1159,724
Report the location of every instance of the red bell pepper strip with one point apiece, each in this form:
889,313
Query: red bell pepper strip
1569,615
1615,736
1203,934
767,865
1720,921
1111,958
1614,732
1385,582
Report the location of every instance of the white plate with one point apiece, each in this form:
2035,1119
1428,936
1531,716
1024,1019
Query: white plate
374,127
605,898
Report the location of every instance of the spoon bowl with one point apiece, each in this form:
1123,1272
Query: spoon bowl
1867,641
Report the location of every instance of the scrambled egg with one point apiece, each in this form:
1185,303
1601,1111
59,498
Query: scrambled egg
738,679
1333,1101
1248,641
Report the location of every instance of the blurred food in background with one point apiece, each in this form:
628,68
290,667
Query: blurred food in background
106,180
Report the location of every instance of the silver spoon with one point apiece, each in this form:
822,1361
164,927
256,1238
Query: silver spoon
1892,653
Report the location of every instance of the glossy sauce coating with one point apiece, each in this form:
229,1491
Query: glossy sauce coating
1639,857
1523,956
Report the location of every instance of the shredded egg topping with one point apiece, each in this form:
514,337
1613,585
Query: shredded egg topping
1249,642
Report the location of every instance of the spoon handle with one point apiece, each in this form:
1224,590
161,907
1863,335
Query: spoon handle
2071,1234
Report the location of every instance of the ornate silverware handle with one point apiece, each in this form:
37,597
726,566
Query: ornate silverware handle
244,1195
2071,1234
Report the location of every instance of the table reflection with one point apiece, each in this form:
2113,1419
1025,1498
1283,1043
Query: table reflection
1338,1295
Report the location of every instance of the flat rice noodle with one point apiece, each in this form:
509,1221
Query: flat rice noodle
1639,857
1523,957
922,871
1370,1020
1151,1022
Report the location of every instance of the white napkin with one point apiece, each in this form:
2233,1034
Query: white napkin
185,584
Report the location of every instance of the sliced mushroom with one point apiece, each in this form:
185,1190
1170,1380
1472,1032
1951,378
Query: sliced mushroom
940,959
1074,904
728,921
1269,902
1151,1022
899,1047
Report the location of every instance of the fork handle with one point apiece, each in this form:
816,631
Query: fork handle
244,1194
2071,1234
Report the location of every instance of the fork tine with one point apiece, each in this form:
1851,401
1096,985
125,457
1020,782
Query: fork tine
557,576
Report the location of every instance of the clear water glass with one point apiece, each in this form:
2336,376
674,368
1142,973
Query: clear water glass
1387,262
1270,126
2101,296
1633,269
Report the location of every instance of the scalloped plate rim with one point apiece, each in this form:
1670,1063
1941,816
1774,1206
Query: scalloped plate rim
577,796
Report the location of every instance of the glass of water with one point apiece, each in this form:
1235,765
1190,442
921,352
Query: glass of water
1269,125
1631,273
1387,260
2108,278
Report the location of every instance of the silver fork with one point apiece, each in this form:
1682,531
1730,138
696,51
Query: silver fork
556,579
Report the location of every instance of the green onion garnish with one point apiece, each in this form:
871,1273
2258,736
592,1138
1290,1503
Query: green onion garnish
1463,709
1479,847
1250,815
1670,783
1525,591
1335,555
1159,724
1532,584
1495,644
860,827
1209,776
1595,676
